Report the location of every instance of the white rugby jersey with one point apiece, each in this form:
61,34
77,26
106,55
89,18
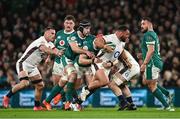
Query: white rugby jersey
117,51
33,55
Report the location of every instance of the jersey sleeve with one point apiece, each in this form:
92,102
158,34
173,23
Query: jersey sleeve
72,39
149,40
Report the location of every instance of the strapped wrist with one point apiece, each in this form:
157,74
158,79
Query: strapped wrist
111,63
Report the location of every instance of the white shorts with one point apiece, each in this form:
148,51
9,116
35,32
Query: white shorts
97,66
130,73
58,69
30,69
127,73
81,71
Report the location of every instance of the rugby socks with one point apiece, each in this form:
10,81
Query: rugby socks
163,90
53,93
69,92
129,99
79,101
159,95
122,100
75,95
10,93
63,95
36,103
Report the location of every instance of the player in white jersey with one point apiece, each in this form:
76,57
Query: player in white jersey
125,73
27,69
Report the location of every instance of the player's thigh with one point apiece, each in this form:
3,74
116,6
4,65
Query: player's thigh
57,69
132,72
151,73
100,72
22,70
35,77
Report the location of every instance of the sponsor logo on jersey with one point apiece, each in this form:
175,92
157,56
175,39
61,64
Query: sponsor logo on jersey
73,38
116,54
85,47
61,42
58,37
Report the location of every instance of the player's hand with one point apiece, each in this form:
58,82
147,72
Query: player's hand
48,60
59,52
107,65
143,67
90,54
97,60
139,55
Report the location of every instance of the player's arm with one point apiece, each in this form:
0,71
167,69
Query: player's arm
99,43
149,54
53,51
75,48
150,42
109,64
150,50
83,59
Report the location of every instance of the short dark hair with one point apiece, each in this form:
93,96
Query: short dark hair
147,18
49,27
123,28
70,17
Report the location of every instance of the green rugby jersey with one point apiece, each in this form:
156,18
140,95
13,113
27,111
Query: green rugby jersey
151,38
75,38
88,44
61,41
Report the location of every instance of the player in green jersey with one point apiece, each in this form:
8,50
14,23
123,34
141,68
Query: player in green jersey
70,74
61,42
152,63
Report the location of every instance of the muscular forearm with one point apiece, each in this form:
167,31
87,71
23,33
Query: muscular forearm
148,57
85,61
78,50
47,50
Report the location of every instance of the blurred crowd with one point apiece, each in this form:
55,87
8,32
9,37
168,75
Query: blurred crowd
22,21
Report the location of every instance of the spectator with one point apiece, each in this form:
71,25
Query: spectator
18,30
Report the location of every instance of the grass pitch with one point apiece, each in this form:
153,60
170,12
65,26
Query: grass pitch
88,113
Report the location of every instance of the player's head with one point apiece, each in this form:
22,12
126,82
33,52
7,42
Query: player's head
84,27
123,33
50,33
146,24
69,23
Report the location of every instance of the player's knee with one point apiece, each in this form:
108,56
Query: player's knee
62,83
110,85
152,86
24,83
40,86
122,86
72,77
55,80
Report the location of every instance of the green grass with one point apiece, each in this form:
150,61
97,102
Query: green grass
88,113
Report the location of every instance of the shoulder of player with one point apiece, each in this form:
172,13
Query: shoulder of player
149,35
73,36
60,31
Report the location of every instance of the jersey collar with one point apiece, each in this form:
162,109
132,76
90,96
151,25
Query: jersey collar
69,32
